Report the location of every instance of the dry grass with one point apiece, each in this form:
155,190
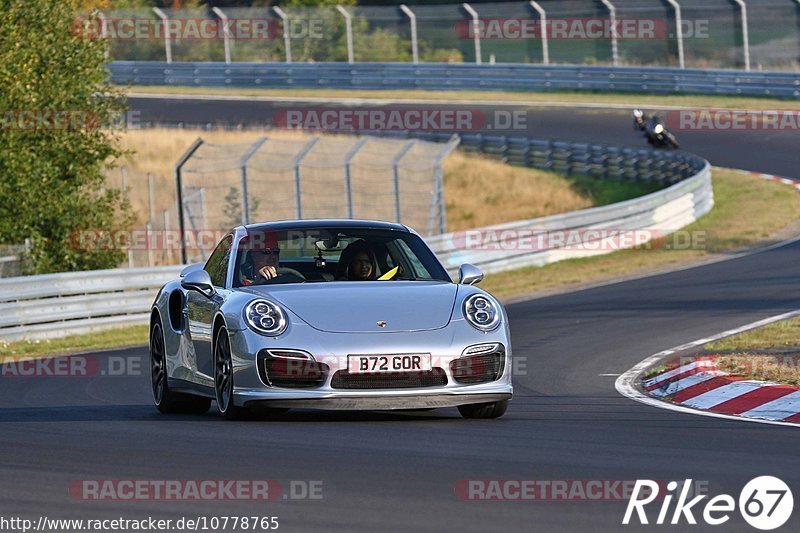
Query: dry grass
478,191
762,367
112,338
748,211
156,151
785,333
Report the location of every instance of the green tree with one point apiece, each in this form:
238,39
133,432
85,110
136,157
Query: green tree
233,207
55,105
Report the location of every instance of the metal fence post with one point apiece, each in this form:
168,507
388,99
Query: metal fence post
412,18
678,31
396,175
151,197
243,166
348,187
451,145
150,256
545,37
476,30
612,14
296,164
287,42
103,31
745,34
179,182
167,43
167,239
226,37
348,22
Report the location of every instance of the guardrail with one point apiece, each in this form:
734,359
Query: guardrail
566,157
55,305
465,76
593,231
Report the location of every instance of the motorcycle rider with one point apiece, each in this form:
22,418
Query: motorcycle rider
639,119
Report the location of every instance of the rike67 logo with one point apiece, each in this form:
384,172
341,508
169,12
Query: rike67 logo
765,503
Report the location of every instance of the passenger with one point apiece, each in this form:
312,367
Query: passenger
357,263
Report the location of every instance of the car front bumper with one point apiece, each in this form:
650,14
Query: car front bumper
444,345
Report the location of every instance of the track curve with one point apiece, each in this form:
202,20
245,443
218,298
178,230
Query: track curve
397,472
772,152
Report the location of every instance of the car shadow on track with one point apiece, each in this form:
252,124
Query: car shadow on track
117,413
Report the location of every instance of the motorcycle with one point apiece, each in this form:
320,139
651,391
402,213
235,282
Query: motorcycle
654,130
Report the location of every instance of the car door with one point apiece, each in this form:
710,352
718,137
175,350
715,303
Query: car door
201,310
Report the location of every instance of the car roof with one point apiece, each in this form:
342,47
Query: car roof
279,225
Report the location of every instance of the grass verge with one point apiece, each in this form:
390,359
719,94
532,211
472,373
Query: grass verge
566,97
769,353
748,211
783,334
110,338
778,369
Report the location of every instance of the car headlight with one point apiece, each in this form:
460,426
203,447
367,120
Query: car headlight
265,317
658,129
481,312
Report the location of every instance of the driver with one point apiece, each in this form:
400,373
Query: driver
264,255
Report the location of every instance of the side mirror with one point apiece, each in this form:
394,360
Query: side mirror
191,268
200,281
469,274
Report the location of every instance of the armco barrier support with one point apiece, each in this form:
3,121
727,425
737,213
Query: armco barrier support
466,76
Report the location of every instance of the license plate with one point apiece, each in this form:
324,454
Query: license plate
378,364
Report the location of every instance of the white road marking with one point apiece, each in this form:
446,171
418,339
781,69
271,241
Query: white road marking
723,394
676,371
626,383
779,409
685,383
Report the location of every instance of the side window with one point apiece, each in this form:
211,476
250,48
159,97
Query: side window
217,264
411,257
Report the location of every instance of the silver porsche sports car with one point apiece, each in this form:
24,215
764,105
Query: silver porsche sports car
329,314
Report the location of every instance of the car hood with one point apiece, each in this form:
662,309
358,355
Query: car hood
358,307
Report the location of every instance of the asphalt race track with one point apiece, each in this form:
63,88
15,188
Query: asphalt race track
398,471
773,152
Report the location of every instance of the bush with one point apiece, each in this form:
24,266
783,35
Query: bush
55,101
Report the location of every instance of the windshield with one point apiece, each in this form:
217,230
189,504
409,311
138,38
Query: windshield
334,254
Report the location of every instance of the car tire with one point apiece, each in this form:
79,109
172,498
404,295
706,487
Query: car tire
165,400
483,410
223,377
